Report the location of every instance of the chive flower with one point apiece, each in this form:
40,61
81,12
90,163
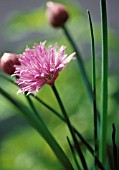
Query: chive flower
40,66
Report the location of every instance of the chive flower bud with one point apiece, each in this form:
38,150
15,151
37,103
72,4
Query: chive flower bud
57,14
7,62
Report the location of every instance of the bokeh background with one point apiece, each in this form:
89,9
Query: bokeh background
23,23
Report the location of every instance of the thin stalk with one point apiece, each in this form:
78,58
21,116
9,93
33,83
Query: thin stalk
32,105
94,88
80,63
104,93
73,153
115,157
81,67
76,143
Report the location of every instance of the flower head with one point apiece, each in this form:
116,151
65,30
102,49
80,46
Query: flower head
57,14
7,62
40,66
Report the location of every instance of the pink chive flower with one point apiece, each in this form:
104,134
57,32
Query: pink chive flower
40,66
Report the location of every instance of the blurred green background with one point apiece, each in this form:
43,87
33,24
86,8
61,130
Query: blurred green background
25,23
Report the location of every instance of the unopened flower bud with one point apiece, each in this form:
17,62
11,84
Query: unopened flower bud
8,60
57,14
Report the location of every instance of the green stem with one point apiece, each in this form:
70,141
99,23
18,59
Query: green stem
104,95
80,63
73,152
32,105
94,88
76,143
81,67
39,125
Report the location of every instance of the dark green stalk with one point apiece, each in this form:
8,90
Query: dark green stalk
115,157
39,125
104,95
73,153
32,105
76,143
81,66
94,88
80,63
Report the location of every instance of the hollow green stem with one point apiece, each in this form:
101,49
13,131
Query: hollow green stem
76,143
94,88
104,95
